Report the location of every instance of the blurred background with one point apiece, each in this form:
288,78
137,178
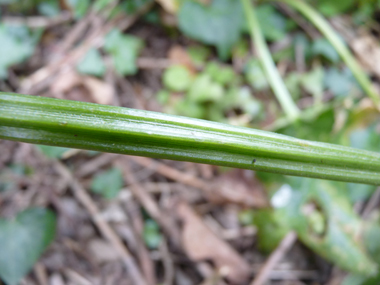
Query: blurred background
81,217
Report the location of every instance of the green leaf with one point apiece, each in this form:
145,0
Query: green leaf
53,151
340,83
331,8
15,47
319,212
312,82
324,48
22,241
198,54
49,8
151,234
255,75
79,7
108,183
92,63
222,75
177,78
272,23
218,24
124,50
204,89
366,138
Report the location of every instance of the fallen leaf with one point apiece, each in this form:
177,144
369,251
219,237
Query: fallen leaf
178,55
102,251
201,244
65,81
100,91
233,187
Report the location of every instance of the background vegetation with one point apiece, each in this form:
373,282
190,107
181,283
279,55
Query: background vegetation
308,69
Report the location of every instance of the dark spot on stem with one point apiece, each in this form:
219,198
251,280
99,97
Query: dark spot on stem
75,135
253,161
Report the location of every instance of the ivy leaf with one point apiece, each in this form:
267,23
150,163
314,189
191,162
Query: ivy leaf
218,24
151,234
15,47
22,241
124,50
92,63
272,23
79,7
331,8
53,151
324,48
340,83
177,78
108,183
319,212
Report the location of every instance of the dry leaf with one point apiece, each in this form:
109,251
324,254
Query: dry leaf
178,55
234,187
170,6
100,91
367,50
201,244
102,251
65,81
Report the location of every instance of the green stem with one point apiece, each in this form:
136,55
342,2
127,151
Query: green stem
90,126
272,74
313,16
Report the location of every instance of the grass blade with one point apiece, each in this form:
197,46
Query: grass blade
266,60
104,128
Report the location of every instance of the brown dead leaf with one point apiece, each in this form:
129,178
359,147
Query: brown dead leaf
234,187
101,92
170,6
178,55
201,244
367,49
102,251
74,86
65,81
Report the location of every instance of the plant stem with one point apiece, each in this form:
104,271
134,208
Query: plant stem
313,16
104,128
266,60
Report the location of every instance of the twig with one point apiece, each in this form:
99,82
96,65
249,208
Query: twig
85,199
94,164
171,173
40,79
372,203
149,204
142,252
38,22
274,258
168,263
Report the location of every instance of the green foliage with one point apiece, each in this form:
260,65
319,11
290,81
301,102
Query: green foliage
273,24
151,234
324,48
255,75
177,78
340,83
108,183
92,63
16,46
218,24
80,7
319,212
332,8
53,151
22,241
124,50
